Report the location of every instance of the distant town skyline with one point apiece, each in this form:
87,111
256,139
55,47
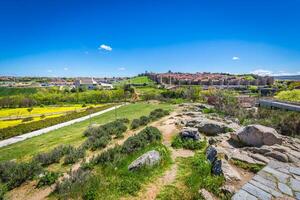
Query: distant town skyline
125,38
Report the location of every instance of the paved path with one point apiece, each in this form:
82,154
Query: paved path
19,138
277,104
275,181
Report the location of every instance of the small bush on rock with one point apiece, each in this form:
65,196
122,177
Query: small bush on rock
135,123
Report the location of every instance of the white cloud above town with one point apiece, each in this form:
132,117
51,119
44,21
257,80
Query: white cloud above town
264,72
235,58
105,47
66,68
49,71
121,68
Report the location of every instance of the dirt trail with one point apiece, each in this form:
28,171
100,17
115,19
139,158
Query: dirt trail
168,129
29,191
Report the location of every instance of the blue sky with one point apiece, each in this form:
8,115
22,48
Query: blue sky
127,37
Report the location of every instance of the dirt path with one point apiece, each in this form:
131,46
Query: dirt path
29,191
168,129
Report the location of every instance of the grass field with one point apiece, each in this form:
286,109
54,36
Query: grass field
72,134
138,80
6,91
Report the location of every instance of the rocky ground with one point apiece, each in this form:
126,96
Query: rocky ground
254,144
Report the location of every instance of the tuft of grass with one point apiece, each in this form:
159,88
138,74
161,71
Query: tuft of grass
247,166
191,144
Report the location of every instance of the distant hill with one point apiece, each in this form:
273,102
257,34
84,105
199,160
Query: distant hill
289,78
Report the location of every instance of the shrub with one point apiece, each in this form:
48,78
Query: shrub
108,156
3,190
135,123
157,114
143,138
14,174
48,179
144,120
77,179
187,143
53,156
74,155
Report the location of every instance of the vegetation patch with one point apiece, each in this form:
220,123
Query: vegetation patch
247,166
153,116
188,143
47,179
110,177
290,95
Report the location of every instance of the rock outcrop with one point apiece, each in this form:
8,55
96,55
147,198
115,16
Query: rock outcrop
190,133
147,159
257,135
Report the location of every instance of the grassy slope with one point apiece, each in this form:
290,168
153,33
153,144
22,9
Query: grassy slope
138,80
5,91
71,134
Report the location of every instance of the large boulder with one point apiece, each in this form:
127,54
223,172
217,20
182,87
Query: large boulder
148,159
190,133
209,127
258,135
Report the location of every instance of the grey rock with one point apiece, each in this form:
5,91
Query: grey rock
257,192
228,189
229,172
295,170
278,156
284,188
258,135
297,194
243,195
266,182
148,159
211,154
295,184
211,127
191,133
259,157
266,188
217,168
282,177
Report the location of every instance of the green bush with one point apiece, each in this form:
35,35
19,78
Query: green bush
47,179
75,181
143,138
187,143
108,156
144,120
53,156
128,186
74,155
14,174
135,123
3,190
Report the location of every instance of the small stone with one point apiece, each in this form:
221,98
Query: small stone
266,188
228,189
266,182
229,172
295,170
285,189
297,194
211,154
217,168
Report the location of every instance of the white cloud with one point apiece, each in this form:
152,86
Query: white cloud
264,72
235,58
49,71
66,68
105,47
121,68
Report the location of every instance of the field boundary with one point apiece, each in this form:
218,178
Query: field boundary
25,136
